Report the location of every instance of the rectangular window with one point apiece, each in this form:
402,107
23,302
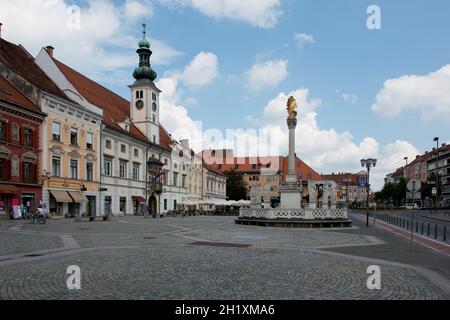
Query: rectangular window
108,144
123,170
154,139
56,166
2,130
3,175
174,204
183,181
89,172
28,133
136,152
165,204
154,118
73,136
108,167
175,179
73,169
136,172
28,172
123,148
153,96
89,141
56,131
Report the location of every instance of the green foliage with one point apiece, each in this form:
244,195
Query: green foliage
393,192
236,189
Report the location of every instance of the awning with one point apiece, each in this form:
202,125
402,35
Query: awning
61,196
139,199
78,196
8,188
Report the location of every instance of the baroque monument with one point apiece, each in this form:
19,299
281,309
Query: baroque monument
321,210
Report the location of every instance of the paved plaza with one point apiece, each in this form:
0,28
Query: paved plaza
210,258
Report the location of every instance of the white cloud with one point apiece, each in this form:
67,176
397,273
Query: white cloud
102,42
174,116
348,97
267,74
201,71
428,94
304,38
136,9
328,150
259,13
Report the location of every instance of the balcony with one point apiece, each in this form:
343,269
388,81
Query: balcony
155,187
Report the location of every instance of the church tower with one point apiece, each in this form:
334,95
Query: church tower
144,108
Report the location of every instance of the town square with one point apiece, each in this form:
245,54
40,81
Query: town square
224,151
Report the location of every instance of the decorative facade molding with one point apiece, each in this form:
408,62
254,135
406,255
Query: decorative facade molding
5,153
57,151
74,154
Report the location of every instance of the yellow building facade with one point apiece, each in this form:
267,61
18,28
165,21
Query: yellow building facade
71,158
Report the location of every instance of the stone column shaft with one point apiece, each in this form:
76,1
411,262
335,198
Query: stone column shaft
291,174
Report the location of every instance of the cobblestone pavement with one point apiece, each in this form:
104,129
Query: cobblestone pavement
197,258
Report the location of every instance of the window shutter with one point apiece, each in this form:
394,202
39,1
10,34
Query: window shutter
7,168
22,135
35,173
7,131
35,138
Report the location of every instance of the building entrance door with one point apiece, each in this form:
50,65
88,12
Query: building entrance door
92,210
152,205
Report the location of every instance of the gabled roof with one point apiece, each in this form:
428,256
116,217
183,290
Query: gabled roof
115,108
165,139
10,94
21,62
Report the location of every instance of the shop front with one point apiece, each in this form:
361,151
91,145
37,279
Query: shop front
15,198
138,205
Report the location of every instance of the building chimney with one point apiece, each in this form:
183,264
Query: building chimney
50,50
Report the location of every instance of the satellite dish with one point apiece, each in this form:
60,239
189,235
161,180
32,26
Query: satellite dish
414,185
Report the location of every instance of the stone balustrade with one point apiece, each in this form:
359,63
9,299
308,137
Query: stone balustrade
303,214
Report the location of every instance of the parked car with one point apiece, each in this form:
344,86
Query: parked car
411,206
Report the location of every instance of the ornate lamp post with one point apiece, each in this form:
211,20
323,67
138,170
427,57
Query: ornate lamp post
368,163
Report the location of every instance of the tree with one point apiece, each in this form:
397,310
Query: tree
236,189
393,192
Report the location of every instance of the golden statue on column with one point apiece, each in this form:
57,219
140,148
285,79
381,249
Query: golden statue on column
291,108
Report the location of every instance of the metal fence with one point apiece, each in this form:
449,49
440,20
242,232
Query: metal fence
430,230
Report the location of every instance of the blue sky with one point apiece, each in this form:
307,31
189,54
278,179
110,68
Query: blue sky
345,66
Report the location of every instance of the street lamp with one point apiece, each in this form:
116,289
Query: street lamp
436,172
368,163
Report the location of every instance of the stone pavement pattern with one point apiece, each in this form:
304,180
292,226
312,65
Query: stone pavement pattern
135,258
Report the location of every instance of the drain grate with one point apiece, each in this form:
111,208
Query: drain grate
83,229
32,255
220,244
149,238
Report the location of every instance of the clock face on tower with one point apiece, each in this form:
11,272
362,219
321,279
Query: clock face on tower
139,104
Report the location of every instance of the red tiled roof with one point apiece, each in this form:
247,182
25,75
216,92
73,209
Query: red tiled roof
246,164
303,169
213,169
341,178
164,138
115,108
10,94
17,59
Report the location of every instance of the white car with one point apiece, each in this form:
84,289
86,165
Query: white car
411,206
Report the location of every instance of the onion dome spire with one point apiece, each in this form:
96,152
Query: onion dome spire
144,73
